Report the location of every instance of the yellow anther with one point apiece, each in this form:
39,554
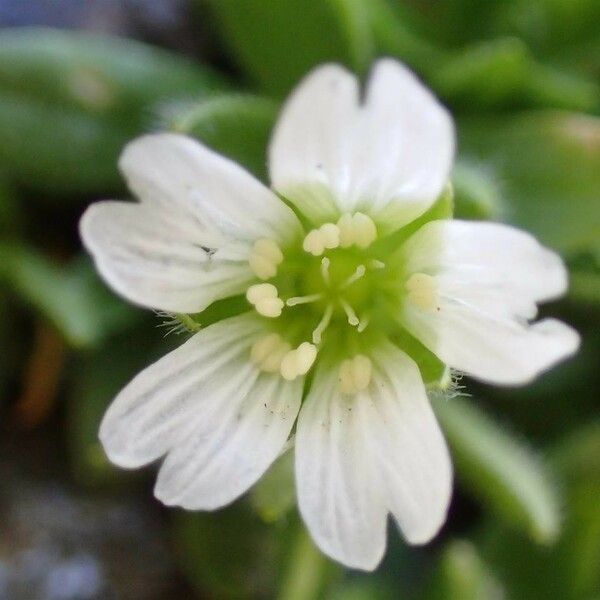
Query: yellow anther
313,243
269,249
346,227
264,347
357,229
355,374
262,267
264,297
330,234
306,356
268,352
260,291
264,258
298,362
269,307
422,291
326,237
365,231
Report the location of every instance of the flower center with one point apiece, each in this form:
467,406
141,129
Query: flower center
323,288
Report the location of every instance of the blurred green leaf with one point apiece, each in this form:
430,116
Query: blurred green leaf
307,573
237,126
463,575
69,101
548,166
491,73
97,376
275,495
500,470
231,553
277,41
476,192
571,568
71,297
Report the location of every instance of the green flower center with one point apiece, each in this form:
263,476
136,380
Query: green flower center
334,294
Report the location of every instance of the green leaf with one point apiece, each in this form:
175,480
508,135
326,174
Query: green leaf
237,126
277,41
462,574
69,101
500,470
476,192
71,297
547,164
571,568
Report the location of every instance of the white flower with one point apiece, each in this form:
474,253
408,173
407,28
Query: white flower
348,301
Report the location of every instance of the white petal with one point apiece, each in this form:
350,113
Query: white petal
187,243
390,156
489,278
220,422
178,173
159,260
358,457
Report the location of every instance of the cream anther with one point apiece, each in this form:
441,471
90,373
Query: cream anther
357,229
298,362
264,298
268,352
355,374
264,258
317,241
422,291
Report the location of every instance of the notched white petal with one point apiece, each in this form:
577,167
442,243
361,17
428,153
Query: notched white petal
363,455
489,279
220,421
390,156
180,174
160,260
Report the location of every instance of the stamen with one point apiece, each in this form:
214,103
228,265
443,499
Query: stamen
355,374
358,229
318,240
303,299
325,262
313,243
264,258
268,352
365,231
323,324
298,362
422,291
358,273
264,298
352,318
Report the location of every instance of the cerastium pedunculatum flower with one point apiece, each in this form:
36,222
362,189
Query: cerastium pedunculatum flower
353,292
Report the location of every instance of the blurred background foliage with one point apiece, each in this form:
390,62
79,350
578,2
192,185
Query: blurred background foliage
523,80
